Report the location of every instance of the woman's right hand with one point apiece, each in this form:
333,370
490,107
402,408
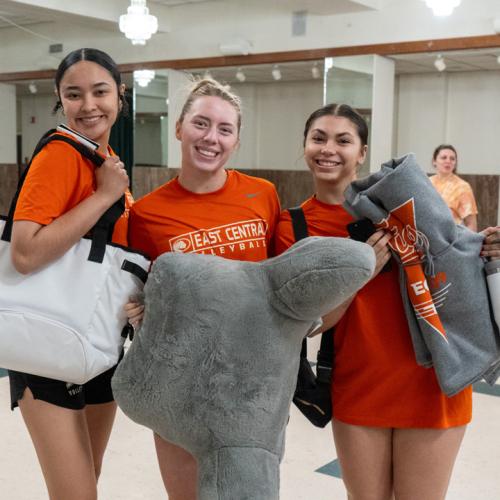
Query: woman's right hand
111,179
379,241
135,313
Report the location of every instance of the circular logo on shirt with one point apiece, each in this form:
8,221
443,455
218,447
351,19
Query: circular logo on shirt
181,245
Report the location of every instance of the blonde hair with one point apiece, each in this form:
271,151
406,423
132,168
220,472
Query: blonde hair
208,87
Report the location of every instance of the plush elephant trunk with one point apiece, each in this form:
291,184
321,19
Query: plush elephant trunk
327,272
239,474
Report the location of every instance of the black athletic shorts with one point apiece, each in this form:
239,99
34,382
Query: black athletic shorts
65,395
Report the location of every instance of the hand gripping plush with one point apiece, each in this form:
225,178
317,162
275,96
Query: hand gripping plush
214,366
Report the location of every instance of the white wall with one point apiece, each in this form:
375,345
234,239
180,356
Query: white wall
458,108
273,118
274,115
36,119
147,142
8,124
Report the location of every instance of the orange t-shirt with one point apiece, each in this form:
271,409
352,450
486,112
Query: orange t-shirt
235,222
376,381
59,179
457,194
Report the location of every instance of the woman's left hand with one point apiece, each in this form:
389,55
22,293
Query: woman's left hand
491,243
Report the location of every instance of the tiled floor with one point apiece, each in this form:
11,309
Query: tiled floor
308,471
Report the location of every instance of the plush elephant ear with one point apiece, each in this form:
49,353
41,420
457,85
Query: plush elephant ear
317,274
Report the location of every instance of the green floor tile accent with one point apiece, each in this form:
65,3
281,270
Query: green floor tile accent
3,373
331,469
484,388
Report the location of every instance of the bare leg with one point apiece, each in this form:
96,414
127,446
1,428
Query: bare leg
62,444
100,418
179,470
423,462
365,456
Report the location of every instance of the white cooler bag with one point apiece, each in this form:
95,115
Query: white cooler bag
65,321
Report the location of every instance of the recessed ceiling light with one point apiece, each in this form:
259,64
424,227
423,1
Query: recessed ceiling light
315,71
240,76
276,72
439,63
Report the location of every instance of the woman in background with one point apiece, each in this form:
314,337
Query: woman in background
456,192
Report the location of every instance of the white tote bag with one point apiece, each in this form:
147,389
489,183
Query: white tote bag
65,321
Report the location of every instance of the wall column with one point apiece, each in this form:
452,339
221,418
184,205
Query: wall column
178,88
382,112
8,160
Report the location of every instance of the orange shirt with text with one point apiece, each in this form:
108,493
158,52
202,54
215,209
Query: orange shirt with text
235,222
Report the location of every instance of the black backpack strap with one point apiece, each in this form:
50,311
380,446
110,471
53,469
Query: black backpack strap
325,353
299,223
325,356
103,229
7,231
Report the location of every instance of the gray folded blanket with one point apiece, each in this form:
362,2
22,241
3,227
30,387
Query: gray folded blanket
441,273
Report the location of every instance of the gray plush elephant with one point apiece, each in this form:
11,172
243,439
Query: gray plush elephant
214,366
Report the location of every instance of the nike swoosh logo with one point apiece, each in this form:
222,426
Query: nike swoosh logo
252,195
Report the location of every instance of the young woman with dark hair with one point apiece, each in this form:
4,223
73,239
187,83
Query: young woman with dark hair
396,434
62,198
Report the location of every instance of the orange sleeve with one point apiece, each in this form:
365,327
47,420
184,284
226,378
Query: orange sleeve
283,236
141,227
58,180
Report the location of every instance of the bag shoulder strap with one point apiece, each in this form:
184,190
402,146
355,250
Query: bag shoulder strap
325,353
299,223
103,229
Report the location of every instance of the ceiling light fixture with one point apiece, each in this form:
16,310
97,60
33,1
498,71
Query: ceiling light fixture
498,59
442,7
439,63
276,72
137,24
33,88
240,76
315,71
143,77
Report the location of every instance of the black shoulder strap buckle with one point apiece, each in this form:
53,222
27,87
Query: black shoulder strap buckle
103,229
